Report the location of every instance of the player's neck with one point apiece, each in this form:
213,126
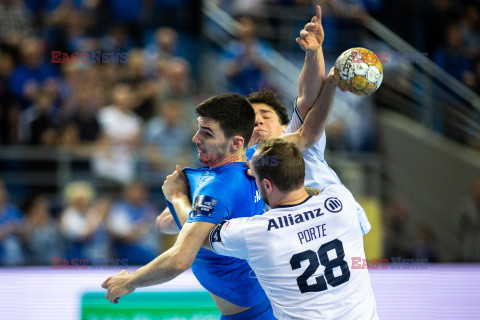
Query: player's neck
289,198
226,159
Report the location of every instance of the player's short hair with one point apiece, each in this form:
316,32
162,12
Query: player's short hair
269,98
234,113
281,162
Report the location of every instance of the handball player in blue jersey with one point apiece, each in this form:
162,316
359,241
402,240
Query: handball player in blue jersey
220,190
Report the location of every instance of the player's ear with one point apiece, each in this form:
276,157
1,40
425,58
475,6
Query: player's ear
267,185
284,127
237,143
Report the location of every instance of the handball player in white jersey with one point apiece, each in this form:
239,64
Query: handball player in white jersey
272,118
301,250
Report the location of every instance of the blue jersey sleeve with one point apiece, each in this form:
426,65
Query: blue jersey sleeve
211,204
250,151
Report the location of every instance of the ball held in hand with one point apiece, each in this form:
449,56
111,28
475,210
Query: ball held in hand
359,71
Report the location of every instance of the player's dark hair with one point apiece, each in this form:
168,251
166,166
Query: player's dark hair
281,162
233,112
270,98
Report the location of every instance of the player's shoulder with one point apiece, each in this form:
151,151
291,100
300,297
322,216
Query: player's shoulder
231,174
336,191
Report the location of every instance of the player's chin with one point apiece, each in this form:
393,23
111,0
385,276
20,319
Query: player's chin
257,138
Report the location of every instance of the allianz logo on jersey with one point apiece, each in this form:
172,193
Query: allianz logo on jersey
289,220
332,204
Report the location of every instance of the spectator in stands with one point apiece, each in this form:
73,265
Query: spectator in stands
468,212
169,139
116,40
42,236
12,226
83,223
70,30
246,64
82,127
135,75
424,246
397,242
39,123
165,46
9,109
175,83
469,28
131,15
451,56
32,73
14,21
131,222
121,130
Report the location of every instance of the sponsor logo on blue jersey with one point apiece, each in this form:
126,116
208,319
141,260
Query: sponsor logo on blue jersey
203,206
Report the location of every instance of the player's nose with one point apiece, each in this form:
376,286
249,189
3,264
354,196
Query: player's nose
258,120
196,139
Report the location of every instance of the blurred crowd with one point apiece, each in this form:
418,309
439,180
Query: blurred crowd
87,227
130,115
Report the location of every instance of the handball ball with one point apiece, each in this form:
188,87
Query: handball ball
359,71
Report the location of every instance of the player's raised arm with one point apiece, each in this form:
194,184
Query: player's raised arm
316,120
313,72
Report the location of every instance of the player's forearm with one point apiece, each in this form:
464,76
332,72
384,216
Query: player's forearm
316,120
311,80
182,206
162,269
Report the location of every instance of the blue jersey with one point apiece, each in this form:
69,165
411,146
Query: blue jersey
218,194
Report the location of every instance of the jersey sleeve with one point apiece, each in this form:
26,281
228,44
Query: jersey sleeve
250,151
318,149
211,204
228,238
296,121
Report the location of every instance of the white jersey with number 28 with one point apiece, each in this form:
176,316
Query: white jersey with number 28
302,256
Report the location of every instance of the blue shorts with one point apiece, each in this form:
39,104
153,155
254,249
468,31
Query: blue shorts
262,311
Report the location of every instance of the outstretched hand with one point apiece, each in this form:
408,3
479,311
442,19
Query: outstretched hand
117,286
312,35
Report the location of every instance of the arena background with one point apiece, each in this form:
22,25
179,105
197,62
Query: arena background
409,153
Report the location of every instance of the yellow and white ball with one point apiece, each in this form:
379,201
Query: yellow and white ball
359,71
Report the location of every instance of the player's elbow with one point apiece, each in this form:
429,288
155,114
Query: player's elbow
160,223
305,141
166,224
303,105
